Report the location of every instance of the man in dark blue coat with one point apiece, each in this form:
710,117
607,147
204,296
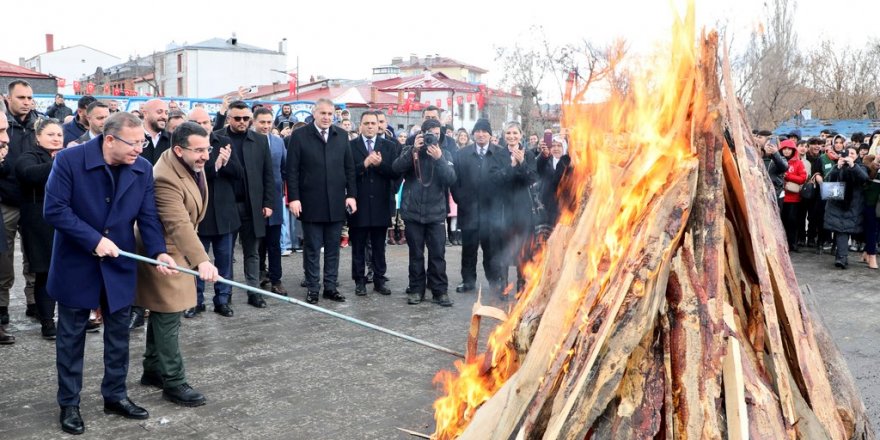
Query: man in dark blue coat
321,188
95,194
372,157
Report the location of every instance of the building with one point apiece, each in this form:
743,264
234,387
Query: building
40,82
69,64
215,66
452,68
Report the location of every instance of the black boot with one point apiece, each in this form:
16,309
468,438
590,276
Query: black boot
47,329
4,315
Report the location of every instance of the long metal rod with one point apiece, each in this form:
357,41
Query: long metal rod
300,303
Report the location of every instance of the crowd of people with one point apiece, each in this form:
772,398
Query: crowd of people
81,186
827,189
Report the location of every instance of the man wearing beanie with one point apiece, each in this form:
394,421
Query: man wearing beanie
477,205
428,173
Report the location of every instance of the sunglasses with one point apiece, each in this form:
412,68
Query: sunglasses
241,118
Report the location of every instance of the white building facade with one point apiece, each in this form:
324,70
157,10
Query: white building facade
71,64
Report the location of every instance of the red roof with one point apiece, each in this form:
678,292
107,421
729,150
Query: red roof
12,70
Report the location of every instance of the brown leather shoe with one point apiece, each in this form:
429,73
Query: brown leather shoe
278,288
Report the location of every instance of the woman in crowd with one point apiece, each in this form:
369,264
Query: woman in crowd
32,171
514,178
794,178
844,217
462,138
552,166
869,216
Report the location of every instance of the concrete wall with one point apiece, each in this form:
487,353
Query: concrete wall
71,63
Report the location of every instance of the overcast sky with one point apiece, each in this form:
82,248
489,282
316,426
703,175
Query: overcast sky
345,38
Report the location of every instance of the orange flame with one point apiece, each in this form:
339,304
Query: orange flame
624,151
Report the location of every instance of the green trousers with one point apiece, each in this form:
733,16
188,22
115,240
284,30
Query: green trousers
162,355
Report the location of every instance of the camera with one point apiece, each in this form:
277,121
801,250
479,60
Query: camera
430,139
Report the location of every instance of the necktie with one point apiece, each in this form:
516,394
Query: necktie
201,184
370,146
324,135
482,151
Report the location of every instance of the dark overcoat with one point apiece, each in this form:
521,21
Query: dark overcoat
374,199
32,171
222,214
83,205
320,175
258,177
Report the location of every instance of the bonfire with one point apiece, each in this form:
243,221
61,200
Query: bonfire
664,304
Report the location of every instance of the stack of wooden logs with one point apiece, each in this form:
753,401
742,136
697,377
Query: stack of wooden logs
700,331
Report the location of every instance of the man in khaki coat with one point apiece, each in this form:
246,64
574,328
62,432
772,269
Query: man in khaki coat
181,199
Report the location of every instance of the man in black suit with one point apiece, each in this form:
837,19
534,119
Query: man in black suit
321,188
254,192
477,205
372,158
221,221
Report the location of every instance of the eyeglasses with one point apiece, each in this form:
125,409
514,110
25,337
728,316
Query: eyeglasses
199,150
241,118
143,144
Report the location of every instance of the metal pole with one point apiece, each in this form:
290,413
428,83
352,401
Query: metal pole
300,303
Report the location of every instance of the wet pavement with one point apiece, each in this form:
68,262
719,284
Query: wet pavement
285,372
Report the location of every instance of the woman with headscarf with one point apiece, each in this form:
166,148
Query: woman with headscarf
552,166
844,217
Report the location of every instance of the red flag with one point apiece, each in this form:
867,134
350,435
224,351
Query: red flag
439,103
60,81
116,91
470,97
459,99
90,88
77,87
106,88
449,102
390,111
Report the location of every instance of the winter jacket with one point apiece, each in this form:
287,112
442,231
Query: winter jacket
424,194
776,167
798,174
846,215
21,138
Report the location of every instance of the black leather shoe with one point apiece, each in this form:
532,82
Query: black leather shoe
6,339
183,395
190,313
464,287
126,408
200,308
257,301
152,379
334,295
442,299
136,319
31,311
47,329
414,298
224,310
360,289
71,420
4,315
312,297
381,289
303,284
93,326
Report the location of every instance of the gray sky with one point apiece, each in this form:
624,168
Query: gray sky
347,38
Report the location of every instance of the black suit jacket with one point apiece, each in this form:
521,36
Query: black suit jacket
221,217
374,184
550,179
152,152
259,179
320,175
477,197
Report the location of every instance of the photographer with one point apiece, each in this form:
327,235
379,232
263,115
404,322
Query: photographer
428,173
844,217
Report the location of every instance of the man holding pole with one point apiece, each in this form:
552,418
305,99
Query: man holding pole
181,199
94,195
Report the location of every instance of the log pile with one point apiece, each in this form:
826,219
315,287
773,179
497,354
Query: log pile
665,305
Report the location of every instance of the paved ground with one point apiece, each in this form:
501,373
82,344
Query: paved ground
289,373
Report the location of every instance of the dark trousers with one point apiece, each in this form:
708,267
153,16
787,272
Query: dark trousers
271,246
789,222
316,235
162,355
870,229
223,260
471,241
45,303
432,235
816,219
360,239
250,247
70,346
802,207
841,242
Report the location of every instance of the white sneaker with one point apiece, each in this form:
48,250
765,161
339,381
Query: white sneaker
286,252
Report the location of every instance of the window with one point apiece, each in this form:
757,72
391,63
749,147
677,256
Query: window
460,111
179,62
180,87
472,114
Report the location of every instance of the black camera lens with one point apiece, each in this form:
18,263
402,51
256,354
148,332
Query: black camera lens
430,139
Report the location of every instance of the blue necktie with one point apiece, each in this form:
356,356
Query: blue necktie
370,146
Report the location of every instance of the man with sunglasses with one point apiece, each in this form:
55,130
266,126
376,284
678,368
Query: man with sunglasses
254,193
91,226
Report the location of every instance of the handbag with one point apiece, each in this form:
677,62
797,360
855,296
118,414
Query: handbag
832,190
792,187
808,191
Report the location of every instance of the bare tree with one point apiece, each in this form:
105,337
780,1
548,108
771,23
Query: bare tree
525,69
844,79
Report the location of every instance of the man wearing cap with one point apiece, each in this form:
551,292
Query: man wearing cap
477,206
